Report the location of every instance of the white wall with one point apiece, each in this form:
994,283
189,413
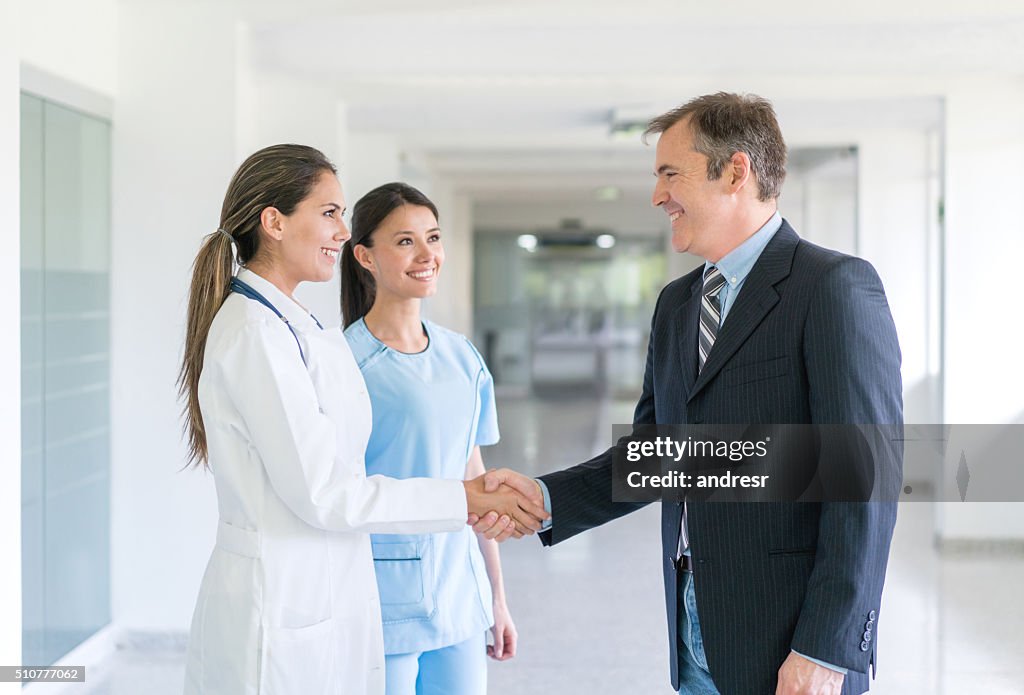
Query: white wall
174,153
984,245
821,203
373,158
273,110
72,39
895,212
896,232
10,348
452,307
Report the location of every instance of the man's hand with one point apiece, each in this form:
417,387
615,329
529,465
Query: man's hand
508,511
799,676
490,525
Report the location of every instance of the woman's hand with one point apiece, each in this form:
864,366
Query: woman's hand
504,630
508,504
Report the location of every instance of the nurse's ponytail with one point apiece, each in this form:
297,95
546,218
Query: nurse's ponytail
358,288
281,177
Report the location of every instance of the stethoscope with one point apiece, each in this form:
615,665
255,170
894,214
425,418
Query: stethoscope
248,291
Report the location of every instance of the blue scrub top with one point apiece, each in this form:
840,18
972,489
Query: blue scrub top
429,410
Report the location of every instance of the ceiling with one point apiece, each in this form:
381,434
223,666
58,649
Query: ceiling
517,98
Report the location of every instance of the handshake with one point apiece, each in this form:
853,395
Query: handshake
504,504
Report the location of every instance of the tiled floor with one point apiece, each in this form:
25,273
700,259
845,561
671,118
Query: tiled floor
590,612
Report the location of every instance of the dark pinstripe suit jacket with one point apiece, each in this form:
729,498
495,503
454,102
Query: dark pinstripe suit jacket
810,339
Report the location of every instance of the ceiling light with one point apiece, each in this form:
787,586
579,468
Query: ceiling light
527,242
605,241
629,122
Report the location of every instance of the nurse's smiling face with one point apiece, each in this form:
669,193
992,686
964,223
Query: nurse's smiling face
407,254
304,246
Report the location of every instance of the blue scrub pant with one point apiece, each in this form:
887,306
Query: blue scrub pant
460,669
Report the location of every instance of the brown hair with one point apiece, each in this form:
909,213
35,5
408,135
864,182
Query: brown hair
281,176
358,288
723,124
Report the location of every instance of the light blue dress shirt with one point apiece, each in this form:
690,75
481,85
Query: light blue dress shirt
737,264
430,409
735,267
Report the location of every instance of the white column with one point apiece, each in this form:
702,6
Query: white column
10,348
174,153
984,245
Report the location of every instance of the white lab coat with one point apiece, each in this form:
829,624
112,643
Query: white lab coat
288,603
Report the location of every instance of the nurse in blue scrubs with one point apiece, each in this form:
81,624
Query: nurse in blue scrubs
433,408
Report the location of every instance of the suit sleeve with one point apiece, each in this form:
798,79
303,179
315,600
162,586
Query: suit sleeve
267,382
852,357
581,496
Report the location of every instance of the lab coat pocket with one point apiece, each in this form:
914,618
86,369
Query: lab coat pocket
405,577
299,660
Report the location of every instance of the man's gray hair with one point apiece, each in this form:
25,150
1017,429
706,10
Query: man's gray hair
723,124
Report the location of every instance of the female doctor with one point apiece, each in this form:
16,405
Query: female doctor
278,411
433,408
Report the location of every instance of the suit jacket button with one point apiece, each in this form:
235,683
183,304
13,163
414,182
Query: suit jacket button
867,635
871,615
869,625
864,646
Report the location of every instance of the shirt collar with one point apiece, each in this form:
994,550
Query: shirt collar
289,308
737,264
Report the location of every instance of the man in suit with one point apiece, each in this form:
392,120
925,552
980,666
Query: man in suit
761,597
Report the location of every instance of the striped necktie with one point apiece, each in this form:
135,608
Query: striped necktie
710,312
710,318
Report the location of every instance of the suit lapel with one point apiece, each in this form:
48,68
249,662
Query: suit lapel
756,299
688,319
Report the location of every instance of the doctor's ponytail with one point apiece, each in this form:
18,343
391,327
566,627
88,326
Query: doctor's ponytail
281,176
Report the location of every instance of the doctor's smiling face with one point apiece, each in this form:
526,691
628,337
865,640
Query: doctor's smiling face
406,254
304,245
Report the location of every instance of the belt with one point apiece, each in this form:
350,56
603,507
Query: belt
684,564
237,540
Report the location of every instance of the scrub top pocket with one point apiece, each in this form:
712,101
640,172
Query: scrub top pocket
405,579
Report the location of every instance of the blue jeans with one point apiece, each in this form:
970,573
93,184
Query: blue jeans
460,669
694,678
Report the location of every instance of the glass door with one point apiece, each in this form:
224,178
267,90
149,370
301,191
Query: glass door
65,334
